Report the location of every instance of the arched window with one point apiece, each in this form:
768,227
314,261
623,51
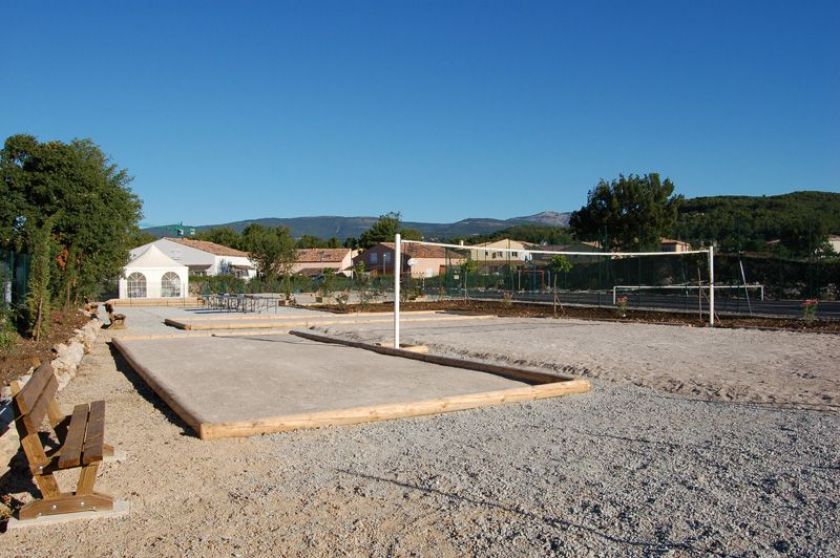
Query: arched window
136,285
170,285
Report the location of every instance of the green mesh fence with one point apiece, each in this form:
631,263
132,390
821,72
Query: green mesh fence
14,277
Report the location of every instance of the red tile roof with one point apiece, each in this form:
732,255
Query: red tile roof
421,250
334,255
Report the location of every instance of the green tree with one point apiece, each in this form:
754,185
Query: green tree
558,264
385,229
271,249
95,214
630,213
225,236
804,236
38,297
309,241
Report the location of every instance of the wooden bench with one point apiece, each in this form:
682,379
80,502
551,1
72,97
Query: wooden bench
116,321
81,445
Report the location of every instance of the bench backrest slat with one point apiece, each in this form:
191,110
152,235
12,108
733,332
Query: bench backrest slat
31,392
35,417
30,441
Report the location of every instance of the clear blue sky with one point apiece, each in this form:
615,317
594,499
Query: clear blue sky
441,110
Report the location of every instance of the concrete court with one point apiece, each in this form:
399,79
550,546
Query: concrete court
240,378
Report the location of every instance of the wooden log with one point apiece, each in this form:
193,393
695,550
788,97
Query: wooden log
358,415
519,374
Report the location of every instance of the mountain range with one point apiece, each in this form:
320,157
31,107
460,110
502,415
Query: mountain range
347,227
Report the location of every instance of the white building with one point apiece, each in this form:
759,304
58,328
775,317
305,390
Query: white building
504,250
153,274
203,257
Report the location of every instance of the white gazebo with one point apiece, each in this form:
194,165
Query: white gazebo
153,274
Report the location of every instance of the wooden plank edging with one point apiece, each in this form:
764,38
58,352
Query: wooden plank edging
519,374
545,386
287,323
389,411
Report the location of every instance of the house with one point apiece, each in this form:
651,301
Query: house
499,251
153,274
669,245
203,257
310,261
834,241
418,259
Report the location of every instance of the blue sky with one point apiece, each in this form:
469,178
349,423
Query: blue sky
441,110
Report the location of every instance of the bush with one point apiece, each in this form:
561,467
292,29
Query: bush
8,334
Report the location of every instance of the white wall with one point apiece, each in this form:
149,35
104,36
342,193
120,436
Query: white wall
154,275
185,255
197,260
222,264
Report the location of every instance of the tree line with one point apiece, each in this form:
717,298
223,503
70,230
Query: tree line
633,212
70,209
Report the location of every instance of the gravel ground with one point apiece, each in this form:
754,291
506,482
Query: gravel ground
779,368
620,471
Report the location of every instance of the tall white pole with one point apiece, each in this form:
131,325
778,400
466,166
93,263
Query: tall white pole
711,285
397,270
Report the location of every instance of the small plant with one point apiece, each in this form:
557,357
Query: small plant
8,333
507,299
327,283
621,304
809,309
342,299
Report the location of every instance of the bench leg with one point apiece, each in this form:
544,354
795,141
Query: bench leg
55,502
66,503
87,478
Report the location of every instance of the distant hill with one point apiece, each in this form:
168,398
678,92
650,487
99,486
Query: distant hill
346,227
737,222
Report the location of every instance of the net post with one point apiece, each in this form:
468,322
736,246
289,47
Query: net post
397,270
712,285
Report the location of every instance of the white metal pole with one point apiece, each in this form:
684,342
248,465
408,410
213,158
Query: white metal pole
397,270
711,285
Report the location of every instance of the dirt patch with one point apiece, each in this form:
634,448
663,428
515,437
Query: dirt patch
27,353
529,310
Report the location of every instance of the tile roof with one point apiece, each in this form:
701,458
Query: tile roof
421,250
209,247
322,254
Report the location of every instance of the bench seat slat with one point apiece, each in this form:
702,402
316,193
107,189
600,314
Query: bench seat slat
95,436
71,451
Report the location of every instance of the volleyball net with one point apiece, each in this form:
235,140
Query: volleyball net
579,274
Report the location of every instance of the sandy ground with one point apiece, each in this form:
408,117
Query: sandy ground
624,470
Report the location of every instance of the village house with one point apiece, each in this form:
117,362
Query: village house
311,261
834,242
504,250
670,245
418,259
203,257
